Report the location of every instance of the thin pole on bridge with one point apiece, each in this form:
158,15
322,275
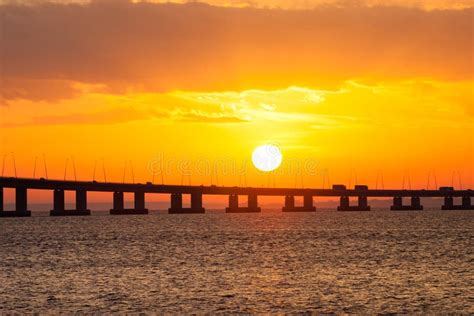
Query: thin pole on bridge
65,168
214,173
34,167
45,169
161,173
459,179
299,173
131,168
186,171
103,170
74,168
124,171
432,174
95,166
243,174
406,177
379,176
14,164
353,171
271,179
3,163
325,174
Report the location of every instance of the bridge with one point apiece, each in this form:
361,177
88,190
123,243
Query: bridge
176,192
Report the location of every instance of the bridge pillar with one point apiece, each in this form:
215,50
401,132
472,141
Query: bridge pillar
448,203
307,204
343,203
21,199
176,201
118,201
59,204
252,201
233,201
81,200
397,203
362,204
289,201
21,204
415,204
139,200
465,204
177,204
196,201
139,204
252,205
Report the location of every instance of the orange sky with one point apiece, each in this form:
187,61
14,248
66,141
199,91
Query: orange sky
384,85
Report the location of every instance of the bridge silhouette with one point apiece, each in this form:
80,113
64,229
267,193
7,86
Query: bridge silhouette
81,188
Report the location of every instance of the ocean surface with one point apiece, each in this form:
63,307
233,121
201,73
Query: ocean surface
324,262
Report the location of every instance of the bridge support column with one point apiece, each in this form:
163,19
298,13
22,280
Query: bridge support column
289,201
233,201
448,203
465,204
363,202
81,200
21,204
21,199
253,201
59,204
307,204
196,203
345,206
118,201
252,205
176,201
177,204
81,203
139,204
415,204
59,200
397,203
344,203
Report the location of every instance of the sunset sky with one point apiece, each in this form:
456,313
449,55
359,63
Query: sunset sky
343,87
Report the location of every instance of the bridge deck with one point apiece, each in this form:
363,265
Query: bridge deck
93,186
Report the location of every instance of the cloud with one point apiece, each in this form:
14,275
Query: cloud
148,47
354,103
44,90
197,116
292,4
291,105
121,115
112,116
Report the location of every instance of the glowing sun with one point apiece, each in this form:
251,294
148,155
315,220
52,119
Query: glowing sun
267,158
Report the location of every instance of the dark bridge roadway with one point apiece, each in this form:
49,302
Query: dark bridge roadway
82,187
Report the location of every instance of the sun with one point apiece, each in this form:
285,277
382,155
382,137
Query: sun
267,158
